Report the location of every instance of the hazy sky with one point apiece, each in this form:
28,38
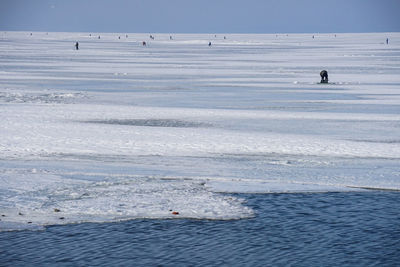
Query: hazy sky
205,16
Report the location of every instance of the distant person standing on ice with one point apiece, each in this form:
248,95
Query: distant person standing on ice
387,40
77,46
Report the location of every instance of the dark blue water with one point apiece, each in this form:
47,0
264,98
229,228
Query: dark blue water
318,229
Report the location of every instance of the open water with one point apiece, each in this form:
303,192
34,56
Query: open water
300,229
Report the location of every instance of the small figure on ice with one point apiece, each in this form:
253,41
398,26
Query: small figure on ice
77,46
324,76
387,40
209,43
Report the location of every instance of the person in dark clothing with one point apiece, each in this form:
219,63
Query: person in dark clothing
324,76
77,46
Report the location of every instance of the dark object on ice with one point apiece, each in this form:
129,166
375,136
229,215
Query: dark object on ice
209,43
144,43
21,214
175,213
77,46
29,222
61,218
387,40
324,76
57,210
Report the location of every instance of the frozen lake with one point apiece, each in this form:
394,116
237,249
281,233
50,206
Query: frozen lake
118,131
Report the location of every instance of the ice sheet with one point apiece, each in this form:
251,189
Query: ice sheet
36,197
118,131
89,129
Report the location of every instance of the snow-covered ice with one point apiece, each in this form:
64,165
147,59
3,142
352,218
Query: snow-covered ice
117,131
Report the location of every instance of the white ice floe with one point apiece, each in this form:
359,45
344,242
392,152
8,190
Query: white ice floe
37,198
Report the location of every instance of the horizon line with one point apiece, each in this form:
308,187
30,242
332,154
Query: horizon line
108,32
